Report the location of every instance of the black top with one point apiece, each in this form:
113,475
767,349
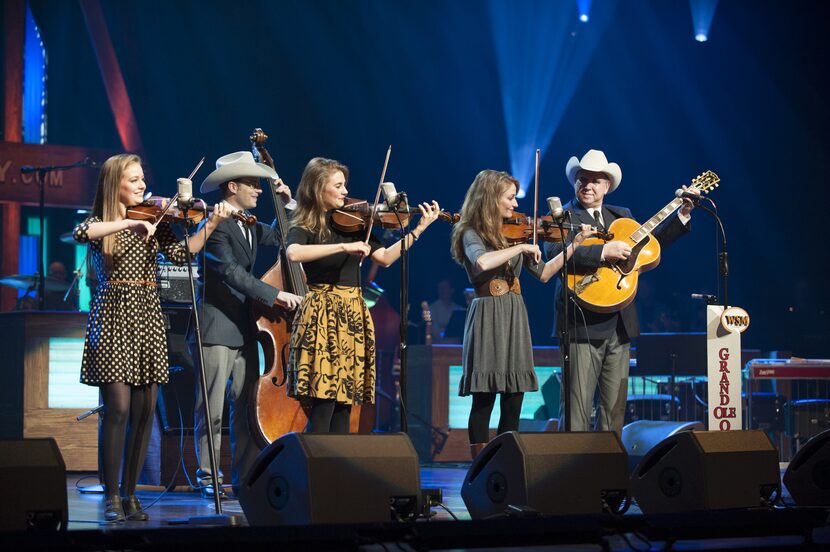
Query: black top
341,269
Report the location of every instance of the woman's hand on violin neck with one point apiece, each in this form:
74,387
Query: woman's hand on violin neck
221,211
532,251
140,228
429,214
585,231
359,248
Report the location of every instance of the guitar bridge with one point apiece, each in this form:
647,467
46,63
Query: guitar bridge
586,281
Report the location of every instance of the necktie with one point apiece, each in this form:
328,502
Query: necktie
247,230
598,219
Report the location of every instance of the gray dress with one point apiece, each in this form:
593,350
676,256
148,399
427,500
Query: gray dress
497,354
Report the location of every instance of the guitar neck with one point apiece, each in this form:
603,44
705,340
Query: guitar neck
648,227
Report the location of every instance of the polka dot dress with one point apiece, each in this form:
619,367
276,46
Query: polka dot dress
125,336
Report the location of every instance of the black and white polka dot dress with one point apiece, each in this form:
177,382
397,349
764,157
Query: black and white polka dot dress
125,336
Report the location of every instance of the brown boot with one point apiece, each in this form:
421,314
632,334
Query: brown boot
476,448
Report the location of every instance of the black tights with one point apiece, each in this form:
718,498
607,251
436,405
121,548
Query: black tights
128,417
328,416
479,423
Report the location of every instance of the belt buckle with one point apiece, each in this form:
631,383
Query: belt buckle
498,287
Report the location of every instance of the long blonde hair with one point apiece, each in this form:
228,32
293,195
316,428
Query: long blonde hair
310,213
481,212
106,205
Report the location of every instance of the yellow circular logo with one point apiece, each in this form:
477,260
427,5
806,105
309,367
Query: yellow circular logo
735,319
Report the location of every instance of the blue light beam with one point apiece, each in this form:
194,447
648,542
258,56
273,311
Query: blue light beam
584,8
703,11
541,57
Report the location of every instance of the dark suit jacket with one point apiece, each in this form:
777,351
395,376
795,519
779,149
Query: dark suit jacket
228,285
598,326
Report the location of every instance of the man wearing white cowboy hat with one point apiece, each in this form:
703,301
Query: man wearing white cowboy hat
600,343
229,291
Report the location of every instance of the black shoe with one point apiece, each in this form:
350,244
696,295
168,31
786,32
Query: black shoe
113,510
132,509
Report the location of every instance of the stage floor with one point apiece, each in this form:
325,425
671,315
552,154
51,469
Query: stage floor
170,508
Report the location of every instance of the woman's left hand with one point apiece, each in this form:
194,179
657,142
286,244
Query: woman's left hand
585,231
429,214
221,211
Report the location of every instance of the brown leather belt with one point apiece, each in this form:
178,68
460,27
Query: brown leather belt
498,287
131,283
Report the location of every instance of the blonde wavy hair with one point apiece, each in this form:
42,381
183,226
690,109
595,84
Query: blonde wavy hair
106,205
481,212
310,213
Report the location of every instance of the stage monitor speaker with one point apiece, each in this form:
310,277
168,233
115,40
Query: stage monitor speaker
33,478
551,473
808,476
707,470
332,478
641,436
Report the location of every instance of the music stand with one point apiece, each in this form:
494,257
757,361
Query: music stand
674,354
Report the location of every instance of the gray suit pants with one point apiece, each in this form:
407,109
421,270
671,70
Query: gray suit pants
604,363
235,372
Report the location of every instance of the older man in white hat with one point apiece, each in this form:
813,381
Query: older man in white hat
600,342
230,290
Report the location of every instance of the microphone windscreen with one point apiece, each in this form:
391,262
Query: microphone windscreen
555,207
185,188
390,194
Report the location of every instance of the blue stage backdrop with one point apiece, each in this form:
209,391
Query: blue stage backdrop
457,87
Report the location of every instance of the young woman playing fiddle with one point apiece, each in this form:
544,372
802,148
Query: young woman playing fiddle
497,354
125,353
332,355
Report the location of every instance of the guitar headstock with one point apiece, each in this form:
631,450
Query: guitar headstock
706,182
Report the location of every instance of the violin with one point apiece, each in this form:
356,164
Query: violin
157,209
519,229
356,214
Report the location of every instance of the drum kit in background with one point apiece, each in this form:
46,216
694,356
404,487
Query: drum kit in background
57,294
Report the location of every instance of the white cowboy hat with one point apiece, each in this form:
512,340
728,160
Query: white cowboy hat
595,161
239,164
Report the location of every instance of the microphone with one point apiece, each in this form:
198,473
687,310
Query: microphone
90,162
687,195
26,169
392,196
557,212
710,299
184,187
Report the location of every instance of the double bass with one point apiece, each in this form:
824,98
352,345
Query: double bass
273,413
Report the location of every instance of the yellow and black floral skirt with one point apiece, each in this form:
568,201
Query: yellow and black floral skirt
332,353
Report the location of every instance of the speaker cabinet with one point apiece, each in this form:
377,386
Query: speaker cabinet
808,476
332,478
641,436
703,470
33,478
552,473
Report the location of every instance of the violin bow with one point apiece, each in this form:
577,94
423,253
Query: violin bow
536,198
377,198
176,197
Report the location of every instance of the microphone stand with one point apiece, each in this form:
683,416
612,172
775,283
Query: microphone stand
219,518
41,179
565,334
723,256
403,329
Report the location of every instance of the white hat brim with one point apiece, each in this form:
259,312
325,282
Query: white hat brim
231,171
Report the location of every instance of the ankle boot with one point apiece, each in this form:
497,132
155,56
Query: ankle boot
113,510
476,448
132,509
